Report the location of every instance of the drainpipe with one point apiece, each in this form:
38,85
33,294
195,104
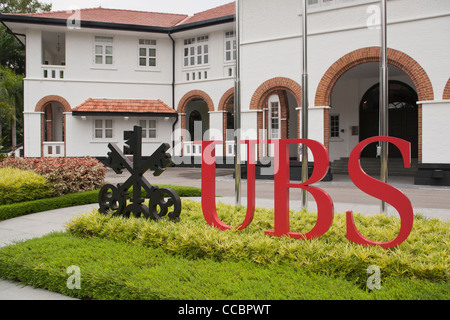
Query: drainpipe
173,91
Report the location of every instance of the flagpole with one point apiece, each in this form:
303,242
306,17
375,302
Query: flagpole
305,103
237,109
384,100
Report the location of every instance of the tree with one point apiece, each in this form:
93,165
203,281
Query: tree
12,56
12,51
11,100
23,6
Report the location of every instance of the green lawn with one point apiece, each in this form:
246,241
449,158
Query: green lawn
135,259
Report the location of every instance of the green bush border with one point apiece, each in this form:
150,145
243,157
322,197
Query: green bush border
115,270
72,200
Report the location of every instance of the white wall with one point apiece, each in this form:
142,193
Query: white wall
436,133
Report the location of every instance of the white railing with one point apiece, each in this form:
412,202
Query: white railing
191,149
53,72
54,149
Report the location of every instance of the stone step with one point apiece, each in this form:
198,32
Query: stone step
373,166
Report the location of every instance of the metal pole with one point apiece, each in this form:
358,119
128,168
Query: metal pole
384,100
305,103
237,109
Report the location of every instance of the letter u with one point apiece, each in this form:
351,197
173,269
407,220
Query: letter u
209,185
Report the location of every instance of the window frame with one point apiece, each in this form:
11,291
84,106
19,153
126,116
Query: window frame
147,128
272,118
196,52
333,128
103,54
232,40
103,129
147,57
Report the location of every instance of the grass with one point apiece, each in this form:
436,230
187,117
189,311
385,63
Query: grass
141,273
190,260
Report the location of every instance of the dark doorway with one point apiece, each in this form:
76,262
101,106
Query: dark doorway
403,117
194,118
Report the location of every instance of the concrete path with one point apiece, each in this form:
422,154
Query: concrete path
433,202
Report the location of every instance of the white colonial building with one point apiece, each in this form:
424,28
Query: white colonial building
94,73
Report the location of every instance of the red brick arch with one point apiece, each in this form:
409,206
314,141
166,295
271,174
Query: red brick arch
182,106
195,94
225,98
446,95
223,107
278,86
372,54
272,85
40,107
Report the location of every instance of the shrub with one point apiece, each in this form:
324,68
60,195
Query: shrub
18,185
67,175
75,199
69,200
113,270
425,255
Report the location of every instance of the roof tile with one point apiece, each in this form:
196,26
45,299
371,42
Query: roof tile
124,106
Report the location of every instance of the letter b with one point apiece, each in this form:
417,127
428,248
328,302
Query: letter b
282,185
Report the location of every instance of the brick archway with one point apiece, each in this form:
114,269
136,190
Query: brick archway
446,95
40,107
182,107
195,94
372,54
224,101
43,107
396,58
268,87
275,86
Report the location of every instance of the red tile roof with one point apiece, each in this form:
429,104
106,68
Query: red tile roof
124,106
140,18
222,11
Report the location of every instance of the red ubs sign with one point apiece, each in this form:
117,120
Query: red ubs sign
363,181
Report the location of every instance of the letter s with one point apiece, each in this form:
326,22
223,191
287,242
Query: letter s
382,191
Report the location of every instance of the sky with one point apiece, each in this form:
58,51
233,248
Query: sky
167,6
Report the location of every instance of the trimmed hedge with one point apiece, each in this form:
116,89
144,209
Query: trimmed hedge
75,199
70,200
18,185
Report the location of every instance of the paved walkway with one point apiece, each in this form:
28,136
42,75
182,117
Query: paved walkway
430,201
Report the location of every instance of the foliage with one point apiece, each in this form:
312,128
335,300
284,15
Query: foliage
11,101
67,175
425,255
113,270
72,200
12,51
21,185
23,6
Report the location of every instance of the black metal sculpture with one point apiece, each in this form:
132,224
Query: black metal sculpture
112,198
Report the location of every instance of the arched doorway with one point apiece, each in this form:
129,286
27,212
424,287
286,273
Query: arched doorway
53,111
279,100
194,109
396,59
403,117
